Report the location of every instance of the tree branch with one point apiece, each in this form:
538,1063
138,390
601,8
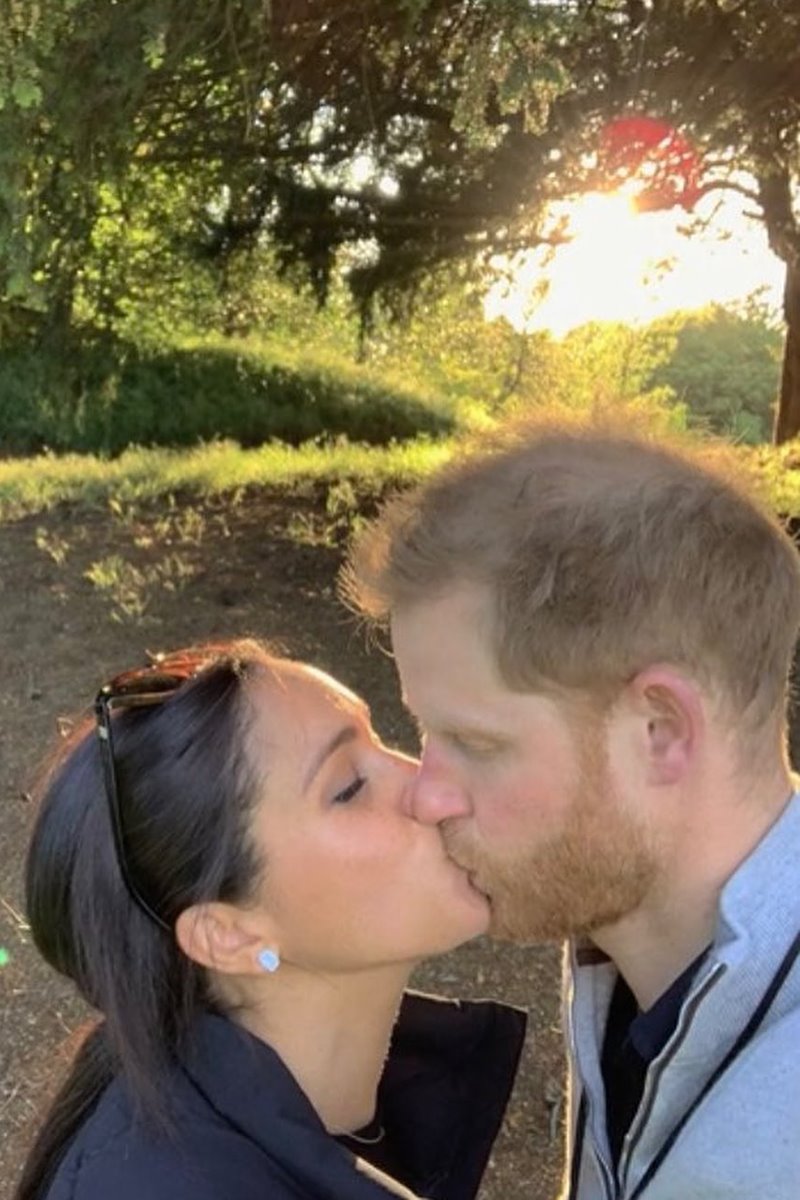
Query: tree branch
728,185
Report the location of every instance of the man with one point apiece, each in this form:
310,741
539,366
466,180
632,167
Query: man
594,633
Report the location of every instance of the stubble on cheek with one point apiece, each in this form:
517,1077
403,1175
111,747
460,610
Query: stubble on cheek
592,872
574,884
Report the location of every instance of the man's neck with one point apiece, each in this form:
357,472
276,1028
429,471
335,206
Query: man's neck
650,948
655,943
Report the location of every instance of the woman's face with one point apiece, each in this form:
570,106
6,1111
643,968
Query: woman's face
351,879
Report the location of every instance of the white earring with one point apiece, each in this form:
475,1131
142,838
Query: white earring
269,960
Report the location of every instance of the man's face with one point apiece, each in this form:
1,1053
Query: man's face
521,785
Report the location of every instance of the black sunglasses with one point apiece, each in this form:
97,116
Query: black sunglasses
140,688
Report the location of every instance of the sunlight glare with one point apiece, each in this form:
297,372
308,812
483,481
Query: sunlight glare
622,265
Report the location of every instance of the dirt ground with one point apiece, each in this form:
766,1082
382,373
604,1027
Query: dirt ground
255,564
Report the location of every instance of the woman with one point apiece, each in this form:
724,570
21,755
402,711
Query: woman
225,864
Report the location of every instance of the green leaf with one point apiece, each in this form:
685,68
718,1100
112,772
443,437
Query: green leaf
26,92
154,47
18,285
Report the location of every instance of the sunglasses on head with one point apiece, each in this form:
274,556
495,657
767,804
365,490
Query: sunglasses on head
142,687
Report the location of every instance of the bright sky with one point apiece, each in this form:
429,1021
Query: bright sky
611,271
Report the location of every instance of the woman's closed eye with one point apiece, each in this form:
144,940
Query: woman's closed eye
350,791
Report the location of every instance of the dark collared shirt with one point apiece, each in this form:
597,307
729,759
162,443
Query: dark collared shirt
632,1040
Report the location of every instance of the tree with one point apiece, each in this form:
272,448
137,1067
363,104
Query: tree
269,108
412,134
90,91
726,74
723,365
479,112
498,106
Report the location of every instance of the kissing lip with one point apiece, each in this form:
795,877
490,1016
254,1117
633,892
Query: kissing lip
473,882
470,874
462,866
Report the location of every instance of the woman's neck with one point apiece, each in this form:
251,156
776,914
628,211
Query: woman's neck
332,1032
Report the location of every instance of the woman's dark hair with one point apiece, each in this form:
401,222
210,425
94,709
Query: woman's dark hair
187,786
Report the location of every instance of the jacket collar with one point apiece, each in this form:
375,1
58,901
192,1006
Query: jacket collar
758,919
442,1097
246,1082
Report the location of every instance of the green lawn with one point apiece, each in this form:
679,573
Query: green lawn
34,484
31,485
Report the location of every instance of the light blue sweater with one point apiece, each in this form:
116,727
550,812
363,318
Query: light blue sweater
742,1142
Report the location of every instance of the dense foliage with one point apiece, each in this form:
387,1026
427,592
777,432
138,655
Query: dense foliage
447,369
158,156
724,365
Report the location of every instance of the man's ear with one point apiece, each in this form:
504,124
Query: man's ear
222,937
671,707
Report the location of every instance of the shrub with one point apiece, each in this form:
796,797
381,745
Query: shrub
107,397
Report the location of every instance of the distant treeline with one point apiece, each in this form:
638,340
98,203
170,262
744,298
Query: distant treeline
291,373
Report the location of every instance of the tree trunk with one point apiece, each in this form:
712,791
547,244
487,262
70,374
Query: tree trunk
787,418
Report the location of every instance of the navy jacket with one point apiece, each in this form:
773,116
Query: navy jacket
246,1131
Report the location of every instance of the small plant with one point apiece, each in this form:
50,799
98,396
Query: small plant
172,572
126,515
342,509
182,524
131,588
340,521
51,544
189,526
341,498
125,585
307,531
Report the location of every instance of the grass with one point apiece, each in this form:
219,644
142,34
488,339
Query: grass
35,484
32,485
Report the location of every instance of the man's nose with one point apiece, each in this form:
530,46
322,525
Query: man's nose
436,795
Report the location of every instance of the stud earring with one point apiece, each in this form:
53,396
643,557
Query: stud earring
269,960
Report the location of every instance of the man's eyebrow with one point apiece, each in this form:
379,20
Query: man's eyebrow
347,733
451,728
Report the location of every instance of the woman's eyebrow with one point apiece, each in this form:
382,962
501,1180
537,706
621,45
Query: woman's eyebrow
347,733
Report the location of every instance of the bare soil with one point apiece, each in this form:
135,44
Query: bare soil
264,565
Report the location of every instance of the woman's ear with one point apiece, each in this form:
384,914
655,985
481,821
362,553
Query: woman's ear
671,709
223,938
